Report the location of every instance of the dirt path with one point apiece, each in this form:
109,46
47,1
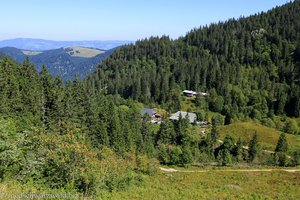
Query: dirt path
228,170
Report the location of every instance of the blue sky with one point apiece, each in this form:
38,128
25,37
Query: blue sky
117,19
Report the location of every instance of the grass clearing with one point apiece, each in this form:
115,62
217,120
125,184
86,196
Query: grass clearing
268,137
187,103
31,53
83,51
216,185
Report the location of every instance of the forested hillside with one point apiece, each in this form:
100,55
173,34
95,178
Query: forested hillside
250,66
63,62
65,137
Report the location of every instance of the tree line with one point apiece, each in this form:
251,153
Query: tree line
249,65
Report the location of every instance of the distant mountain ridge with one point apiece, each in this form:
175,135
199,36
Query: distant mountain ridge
65,62
42,45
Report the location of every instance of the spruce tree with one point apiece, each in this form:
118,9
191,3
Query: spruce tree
47,98
166,133
253,148
214,131
280,150
282,144
238,151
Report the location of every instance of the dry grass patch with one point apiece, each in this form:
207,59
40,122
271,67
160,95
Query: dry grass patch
83,52
216,185
268,137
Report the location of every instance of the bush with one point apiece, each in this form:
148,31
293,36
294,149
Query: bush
255,114
187,156
296,158
163,154
219,119
12,157
224,157
291,126
281,159
175,155
65,162
268,122
204,158
200,115
147,165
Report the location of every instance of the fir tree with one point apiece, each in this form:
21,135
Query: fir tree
253,148
282,144
280,151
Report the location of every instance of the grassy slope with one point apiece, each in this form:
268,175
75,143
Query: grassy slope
216,185
31,53
268,137
83,51
211,185
187,103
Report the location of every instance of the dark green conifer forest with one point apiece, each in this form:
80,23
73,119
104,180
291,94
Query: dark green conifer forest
250,66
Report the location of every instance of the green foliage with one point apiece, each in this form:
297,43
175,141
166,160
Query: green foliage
218,119
225,157
281,159
81,127
291,126
175,155
64,161
59,61
147,165
282,144
215,185
228,151
11,154
268,136
296,158
254,148
215,101
208,147
187,156
166,133
254,71
214,131
163,154
281,150
238,151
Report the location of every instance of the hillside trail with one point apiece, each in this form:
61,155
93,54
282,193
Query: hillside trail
227,170
264,150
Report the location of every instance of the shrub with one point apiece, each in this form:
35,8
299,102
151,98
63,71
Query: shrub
296,158
147,165
291,126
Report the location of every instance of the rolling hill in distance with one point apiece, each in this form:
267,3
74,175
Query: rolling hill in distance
63,58
65,62
41,45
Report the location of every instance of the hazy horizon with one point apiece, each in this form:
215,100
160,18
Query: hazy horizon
25,38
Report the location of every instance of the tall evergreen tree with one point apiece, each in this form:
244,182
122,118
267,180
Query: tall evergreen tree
238,151
254,148
281,150
214,131
282,144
